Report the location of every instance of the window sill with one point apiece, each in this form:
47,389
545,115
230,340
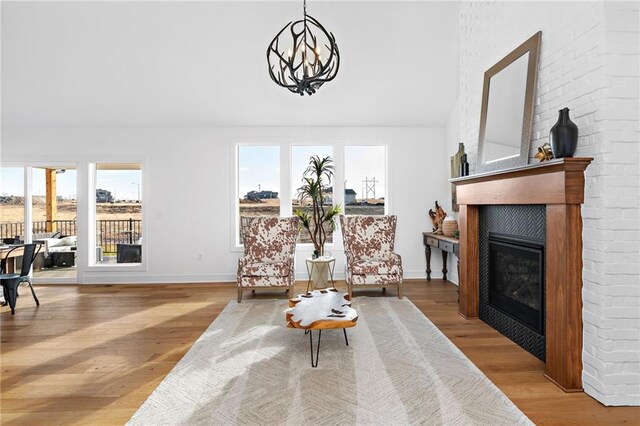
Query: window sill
137,267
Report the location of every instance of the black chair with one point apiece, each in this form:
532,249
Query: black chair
129,253
10,282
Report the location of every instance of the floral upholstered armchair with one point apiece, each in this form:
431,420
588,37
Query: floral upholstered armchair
269,249
368,245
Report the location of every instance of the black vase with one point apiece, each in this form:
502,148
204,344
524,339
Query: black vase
563,136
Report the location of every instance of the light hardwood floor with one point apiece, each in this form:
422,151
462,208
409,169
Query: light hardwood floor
92,354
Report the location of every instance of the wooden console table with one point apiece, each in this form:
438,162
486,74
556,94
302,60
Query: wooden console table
445,244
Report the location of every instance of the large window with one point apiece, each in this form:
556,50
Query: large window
365,180
258,181
300,157
362,170
118,213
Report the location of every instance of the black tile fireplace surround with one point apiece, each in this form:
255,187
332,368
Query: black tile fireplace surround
511,240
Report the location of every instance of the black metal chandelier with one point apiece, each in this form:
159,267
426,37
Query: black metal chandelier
309,61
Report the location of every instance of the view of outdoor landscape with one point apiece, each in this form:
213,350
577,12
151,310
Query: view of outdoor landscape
259,180
118,218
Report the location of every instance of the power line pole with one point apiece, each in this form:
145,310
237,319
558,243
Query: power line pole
369,187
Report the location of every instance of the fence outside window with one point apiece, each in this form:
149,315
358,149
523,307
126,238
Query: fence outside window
108,232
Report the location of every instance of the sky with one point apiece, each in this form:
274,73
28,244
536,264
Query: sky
123,184
260,165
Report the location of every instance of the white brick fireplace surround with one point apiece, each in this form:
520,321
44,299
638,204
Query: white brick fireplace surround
589,62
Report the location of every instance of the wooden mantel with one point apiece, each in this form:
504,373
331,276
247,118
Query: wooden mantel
558,184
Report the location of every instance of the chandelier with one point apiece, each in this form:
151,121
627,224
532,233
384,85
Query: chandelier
310,60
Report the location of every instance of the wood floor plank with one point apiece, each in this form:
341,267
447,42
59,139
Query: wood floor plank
93,354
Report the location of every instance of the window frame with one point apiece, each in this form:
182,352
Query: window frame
28,167
286,183
236,244
91,264
387,175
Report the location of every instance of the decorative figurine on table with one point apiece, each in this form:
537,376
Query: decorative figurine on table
437,217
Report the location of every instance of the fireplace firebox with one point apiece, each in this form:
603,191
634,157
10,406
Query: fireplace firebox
516,279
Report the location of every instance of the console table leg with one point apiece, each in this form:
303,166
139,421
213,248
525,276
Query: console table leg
444,265
427,255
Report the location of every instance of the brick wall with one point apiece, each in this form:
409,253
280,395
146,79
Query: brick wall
589,63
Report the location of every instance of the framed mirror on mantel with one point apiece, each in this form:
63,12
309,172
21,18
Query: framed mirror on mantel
508,98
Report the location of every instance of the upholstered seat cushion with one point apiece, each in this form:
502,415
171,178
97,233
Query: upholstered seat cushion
372,279
375,267
266,269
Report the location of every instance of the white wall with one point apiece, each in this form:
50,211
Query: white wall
452,130
189,181
589,63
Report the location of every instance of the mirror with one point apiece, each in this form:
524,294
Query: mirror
508,99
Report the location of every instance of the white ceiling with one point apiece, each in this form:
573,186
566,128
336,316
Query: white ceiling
204,64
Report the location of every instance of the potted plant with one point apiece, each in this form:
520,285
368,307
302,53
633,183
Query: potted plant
320,221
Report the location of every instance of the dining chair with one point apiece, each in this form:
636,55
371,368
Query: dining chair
10,282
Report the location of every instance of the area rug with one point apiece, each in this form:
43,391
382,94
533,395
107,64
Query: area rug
248,368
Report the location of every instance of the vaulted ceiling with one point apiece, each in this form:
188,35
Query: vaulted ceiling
204,64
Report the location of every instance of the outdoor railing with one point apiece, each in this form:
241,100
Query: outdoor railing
112,232
109,233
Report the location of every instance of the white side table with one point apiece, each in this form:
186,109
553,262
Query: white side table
320,272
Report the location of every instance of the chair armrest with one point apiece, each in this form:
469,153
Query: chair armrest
350,257
396,258
244,260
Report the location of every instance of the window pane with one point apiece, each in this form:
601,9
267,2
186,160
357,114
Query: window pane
11,203
54,211
258,182
300,157
118,213
365,180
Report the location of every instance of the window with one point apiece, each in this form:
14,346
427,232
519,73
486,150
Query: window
258,182
300,156
54,213
118,213
365,180
11,203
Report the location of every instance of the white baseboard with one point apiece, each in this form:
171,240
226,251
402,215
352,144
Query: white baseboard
145,278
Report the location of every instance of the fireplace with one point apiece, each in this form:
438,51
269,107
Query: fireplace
540,201
516,279
512,242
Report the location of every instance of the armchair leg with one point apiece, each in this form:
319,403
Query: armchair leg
291,295
384,290
399,291
239,294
